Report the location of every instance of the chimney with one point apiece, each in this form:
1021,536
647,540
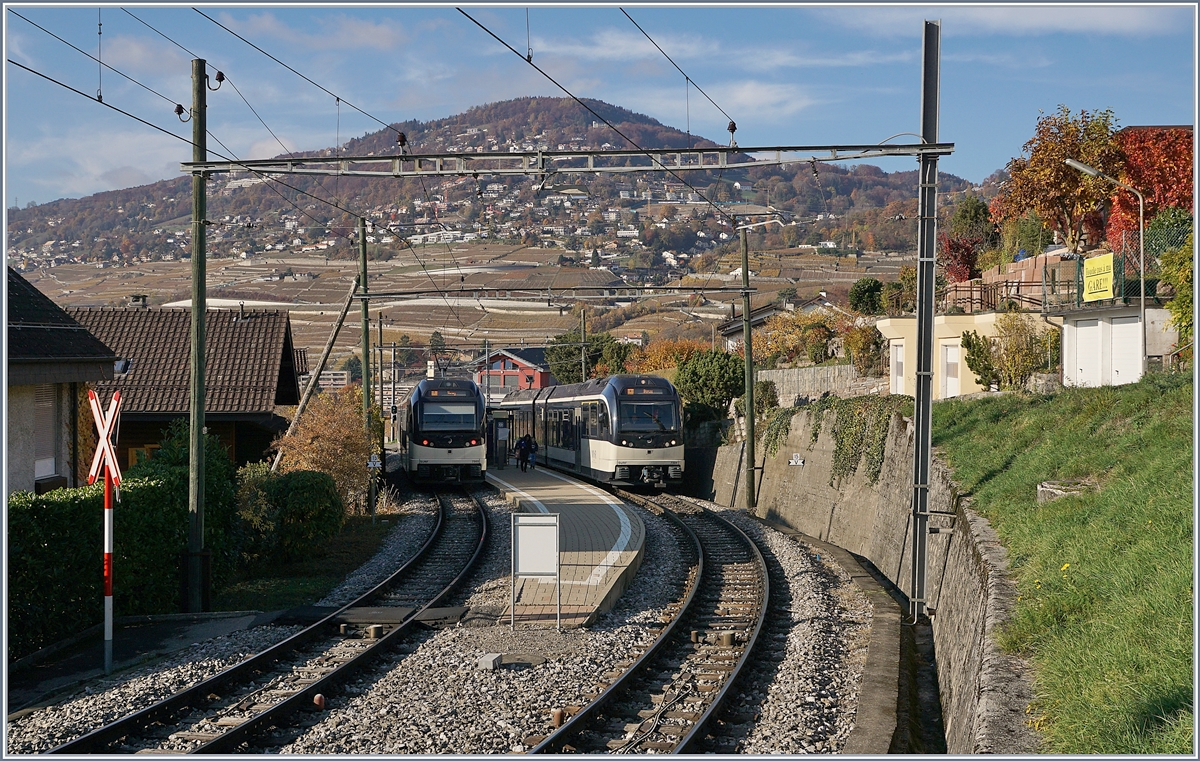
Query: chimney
138,300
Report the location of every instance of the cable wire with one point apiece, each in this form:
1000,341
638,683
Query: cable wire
160,34
681,71
289,68
592,111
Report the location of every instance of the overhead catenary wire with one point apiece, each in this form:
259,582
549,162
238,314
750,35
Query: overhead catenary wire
677,66
339,100
593,112
297,73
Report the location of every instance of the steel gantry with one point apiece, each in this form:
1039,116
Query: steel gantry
545,164
528,163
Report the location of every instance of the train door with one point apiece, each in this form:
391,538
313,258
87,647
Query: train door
577,436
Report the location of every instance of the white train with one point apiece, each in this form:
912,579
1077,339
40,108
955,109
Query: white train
622,430
442,432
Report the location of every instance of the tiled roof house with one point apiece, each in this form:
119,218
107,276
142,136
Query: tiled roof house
249,371
49,356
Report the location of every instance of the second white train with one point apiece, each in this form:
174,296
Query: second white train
622,430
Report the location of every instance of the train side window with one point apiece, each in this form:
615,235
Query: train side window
602,413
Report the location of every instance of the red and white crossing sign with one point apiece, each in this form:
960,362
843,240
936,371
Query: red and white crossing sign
106,455
105,461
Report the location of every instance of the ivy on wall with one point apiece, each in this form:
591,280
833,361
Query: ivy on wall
860,429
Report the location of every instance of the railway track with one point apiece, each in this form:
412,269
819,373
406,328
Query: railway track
227,710
665,700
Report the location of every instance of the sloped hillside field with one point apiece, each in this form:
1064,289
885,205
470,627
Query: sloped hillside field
1105,611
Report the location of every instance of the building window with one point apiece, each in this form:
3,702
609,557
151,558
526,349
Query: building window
897,368
45,431
510,381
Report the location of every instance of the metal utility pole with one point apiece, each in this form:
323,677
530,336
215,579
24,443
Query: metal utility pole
583,342
392,417
926,238
487,374
195,569
748,345
380,365
315,378
366,348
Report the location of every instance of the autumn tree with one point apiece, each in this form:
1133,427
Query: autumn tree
665,353
1065,199
865,295
958,256
1158,162
330,437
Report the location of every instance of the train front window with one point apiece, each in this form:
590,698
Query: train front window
440,416
647,416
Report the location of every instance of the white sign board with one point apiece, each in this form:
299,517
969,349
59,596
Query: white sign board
535,553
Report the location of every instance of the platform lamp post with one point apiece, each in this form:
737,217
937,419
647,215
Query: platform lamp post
1093,172
748,346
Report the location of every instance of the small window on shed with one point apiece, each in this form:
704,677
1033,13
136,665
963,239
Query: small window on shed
45,431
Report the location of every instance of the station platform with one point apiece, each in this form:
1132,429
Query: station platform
601,544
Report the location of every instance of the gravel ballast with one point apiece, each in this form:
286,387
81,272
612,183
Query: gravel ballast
429,696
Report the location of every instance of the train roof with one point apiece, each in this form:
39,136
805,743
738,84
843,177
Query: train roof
593,387
428,386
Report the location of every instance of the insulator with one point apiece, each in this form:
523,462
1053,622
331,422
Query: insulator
401,139
220,77
179,109
732,126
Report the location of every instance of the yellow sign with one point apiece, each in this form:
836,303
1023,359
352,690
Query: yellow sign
1098,278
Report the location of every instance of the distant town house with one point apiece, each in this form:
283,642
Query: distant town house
506,370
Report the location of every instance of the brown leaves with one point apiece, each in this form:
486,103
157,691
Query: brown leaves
330,438
1066,199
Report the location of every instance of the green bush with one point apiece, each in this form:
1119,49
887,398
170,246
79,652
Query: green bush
307,509
712,379
55,576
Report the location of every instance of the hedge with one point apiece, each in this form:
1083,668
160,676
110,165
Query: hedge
55,541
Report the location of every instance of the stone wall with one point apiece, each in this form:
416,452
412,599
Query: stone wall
815,382
984,692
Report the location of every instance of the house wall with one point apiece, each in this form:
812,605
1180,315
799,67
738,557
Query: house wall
947,332
1095,365
20,452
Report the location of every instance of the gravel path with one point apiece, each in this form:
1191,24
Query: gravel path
434,700
821,637
104,700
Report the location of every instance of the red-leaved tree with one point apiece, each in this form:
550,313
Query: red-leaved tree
1158,162
958,256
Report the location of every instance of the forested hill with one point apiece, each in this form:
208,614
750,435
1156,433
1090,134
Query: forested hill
151,221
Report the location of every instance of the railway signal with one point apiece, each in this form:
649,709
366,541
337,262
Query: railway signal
105,460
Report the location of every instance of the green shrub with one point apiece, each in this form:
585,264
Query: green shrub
55,581
307,509
285,516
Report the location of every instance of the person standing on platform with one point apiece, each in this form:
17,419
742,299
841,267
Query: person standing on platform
533,448
522,448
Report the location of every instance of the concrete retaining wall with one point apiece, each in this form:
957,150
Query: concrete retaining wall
984,692
815,382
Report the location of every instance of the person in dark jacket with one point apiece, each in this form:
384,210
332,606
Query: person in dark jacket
522,449
533,448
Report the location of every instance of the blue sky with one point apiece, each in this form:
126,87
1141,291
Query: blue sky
787,74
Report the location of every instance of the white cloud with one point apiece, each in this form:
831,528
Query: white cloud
100,160
1013,19
336,32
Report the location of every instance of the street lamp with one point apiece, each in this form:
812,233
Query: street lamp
1093,172
748,346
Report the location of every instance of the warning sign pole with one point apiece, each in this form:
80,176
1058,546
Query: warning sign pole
108,571
106,460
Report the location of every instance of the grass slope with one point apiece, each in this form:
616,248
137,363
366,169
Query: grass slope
1105,611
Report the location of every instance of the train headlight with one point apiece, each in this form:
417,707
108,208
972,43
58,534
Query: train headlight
624,442
473,442
425,442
